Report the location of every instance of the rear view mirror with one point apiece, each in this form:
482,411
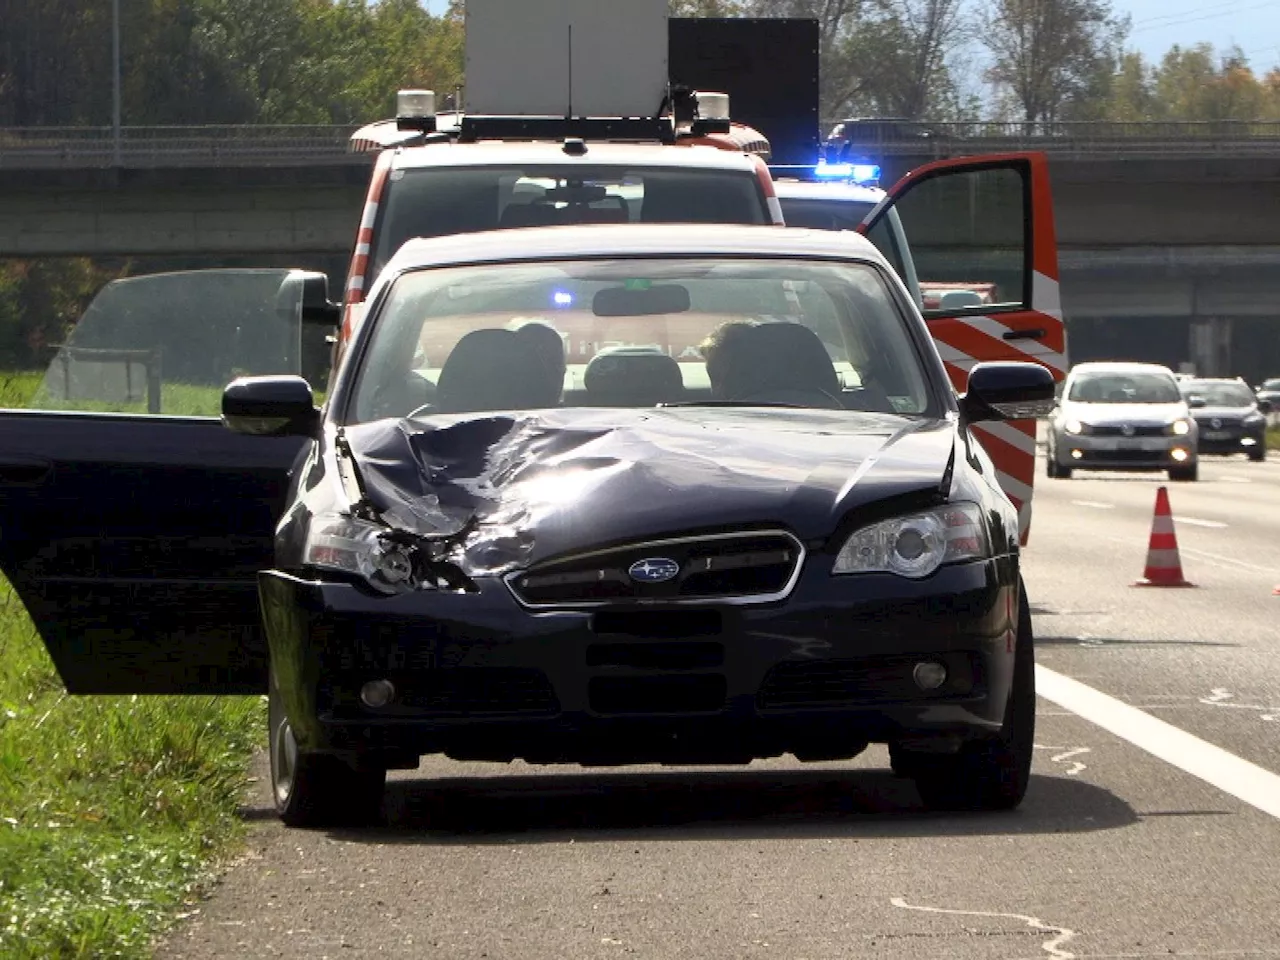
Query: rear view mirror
640,301
1007,390
1264,406
314,297
276,406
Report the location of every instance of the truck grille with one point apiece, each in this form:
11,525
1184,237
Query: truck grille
755,566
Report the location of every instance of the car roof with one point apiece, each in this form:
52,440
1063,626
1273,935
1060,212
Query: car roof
629,240
499,153
843,192
1118,366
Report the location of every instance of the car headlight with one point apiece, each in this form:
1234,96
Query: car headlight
1074,427
357,547
1180,428
918,544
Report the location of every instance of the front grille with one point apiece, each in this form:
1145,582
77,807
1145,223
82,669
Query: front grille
1224,423
833,683
754,566
1146,430
1122,456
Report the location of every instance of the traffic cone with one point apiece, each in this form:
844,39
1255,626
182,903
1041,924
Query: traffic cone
1164,566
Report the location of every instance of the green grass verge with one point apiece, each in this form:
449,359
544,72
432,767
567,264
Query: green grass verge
113,810
1273,438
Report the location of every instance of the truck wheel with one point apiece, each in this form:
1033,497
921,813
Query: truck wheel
1185,474
989,774
314,789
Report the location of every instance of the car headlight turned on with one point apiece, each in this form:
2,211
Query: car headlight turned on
359,548
916,545
1180,428
1074,427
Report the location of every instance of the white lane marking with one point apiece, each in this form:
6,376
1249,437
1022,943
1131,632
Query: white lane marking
1241,779
1219,697
1214,558
1065,757
1096,504
1235,480
1196,522
1052,947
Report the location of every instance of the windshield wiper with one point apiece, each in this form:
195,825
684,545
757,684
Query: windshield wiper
738,403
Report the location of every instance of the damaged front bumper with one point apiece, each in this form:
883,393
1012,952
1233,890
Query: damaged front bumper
478,676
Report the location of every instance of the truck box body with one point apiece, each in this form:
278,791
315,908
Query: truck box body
566,57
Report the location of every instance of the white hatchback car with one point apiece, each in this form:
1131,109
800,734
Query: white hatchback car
1122,416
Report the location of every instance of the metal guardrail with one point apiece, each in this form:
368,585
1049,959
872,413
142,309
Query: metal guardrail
33,148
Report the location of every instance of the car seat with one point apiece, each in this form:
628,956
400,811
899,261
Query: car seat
632,377
498,370
775,361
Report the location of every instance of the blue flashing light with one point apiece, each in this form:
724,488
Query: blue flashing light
562,298
855,172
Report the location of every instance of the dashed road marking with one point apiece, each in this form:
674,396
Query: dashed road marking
1235,479
1246,781
1095,504
1222,697
1053,948
1196,522
1064,756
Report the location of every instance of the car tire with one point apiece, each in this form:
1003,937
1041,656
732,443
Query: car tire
1052,468
315,789
1258,454
989,774
1185,474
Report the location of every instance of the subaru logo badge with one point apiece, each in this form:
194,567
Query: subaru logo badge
653,570
1127,430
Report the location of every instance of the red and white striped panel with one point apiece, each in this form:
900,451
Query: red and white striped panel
963,342
357,276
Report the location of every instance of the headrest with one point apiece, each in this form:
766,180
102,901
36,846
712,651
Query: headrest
497,370
633,377
779,355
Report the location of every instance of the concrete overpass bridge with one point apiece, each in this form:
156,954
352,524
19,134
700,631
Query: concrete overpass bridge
1169,235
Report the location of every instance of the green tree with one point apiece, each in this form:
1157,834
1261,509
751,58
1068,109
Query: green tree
1051,54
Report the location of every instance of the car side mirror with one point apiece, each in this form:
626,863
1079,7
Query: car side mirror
1195,403
275,406
1264,406
1007,390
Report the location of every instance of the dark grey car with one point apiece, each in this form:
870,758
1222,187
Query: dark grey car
1230,417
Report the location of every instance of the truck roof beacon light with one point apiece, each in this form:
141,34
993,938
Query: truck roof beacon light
860,173
713,112
416,110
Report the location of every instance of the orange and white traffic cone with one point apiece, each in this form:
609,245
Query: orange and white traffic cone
1164,565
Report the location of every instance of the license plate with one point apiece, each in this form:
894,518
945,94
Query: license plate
1217,434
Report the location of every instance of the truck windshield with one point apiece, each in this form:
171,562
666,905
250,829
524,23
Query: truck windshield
439,201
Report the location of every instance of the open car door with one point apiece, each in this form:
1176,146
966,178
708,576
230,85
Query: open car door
132,523
986,223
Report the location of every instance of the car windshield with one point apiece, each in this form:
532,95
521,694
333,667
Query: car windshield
1220,394
1124,388
440,201
640,332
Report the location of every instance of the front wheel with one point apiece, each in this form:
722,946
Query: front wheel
1052,468
316,789
1258,454
990,774
1185,474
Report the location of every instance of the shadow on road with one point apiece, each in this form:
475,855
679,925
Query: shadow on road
745,805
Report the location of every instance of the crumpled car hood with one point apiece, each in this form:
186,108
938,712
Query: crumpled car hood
548,483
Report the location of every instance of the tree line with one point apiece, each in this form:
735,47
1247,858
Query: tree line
341,61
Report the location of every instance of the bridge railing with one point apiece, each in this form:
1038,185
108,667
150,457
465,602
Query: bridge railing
301,145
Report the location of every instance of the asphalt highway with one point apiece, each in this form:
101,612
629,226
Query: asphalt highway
1151,828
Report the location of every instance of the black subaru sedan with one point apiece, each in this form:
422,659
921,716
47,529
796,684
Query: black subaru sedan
612,495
